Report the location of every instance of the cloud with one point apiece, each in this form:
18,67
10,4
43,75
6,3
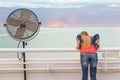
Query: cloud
37,5
67,1
52,3
20,4
113,5
90,1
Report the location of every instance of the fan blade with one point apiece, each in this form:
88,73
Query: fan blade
32,26
20,32
25,15
13,22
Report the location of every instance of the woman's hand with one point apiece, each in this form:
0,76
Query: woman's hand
77,47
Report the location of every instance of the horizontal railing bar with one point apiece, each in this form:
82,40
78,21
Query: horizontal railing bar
21,69
104,49
51,62
45,69
38,50
39,63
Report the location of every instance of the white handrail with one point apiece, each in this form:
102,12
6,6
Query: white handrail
31,50
38,50
104,49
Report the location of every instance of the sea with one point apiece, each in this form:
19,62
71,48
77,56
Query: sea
58,38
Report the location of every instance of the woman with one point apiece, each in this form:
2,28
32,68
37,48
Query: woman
88,52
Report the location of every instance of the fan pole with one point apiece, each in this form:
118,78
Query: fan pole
24,60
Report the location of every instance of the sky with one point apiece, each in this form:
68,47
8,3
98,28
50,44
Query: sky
54,3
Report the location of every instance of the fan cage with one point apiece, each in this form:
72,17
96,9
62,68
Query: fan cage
26,38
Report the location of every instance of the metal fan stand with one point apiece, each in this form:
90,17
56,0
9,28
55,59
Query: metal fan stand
24,60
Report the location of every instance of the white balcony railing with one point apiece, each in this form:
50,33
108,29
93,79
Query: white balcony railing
105,49
48,65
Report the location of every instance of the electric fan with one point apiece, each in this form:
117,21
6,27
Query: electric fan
22,25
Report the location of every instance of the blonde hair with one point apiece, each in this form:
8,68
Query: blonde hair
86,39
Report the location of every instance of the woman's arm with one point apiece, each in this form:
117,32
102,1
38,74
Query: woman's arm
78,44
78,38
98,42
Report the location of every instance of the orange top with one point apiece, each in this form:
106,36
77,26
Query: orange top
91,49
